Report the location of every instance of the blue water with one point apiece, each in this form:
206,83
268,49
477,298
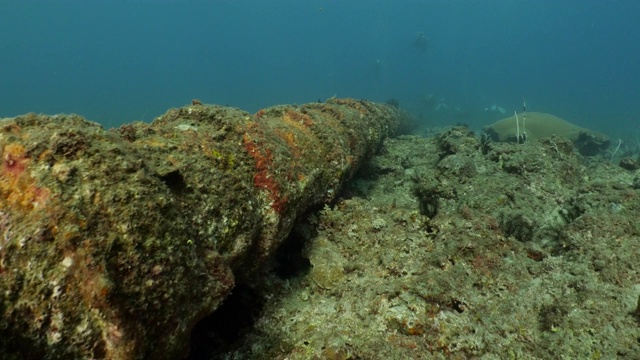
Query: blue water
119,61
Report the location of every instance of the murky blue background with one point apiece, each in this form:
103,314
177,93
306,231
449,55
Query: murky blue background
118,61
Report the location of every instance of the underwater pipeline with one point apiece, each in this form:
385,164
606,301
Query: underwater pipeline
116,242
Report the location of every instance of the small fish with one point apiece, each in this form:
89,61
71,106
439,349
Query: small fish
421,42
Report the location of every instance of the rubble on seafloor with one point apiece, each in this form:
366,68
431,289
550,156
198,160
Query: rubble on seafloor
450,247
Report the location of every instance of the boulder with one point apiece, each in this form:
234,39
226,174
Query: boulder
541,125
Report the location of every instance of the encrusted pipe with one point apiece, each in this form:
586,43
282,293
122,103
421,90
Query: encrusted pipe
114,244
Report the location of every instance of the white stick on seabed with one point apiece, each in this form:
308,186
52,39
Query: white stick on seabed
524,120
614,153
517,128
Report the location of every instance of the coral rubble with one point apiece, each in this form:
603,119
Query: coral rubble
453,248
